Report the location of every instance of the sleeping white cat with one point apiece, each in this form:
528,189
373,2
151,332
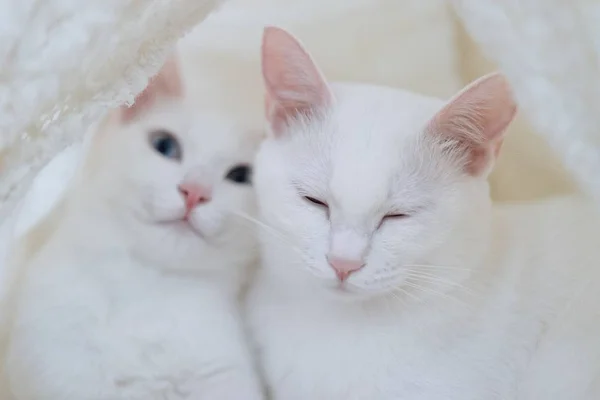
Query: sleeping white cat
134,295
387,272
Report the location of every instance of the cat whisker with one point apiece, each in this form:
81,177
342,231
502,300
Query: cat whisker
425,269
306,258
438,267
405,293
270,230
395,297
266,227
431,278
426,289
314,271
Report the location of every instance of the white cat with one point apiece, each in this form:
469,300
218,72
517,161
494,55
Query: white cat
388,274
135,294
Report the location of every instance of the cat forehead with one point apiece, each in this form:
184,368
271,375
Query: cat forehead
368,143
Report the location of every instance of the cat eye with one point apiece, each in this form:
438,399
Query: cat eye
166,144
240,174
391,217
316,201
395,216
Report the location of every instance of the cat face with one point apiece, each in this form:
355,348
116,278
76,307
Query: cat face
178,176
372,188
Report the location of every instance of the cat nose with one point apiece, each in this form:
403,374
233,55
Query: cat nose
343,267
194,194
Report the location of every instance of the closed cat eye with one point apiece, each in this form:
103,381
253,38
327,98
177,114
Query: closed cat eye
316,201
240,174
396,216
388,217
166,144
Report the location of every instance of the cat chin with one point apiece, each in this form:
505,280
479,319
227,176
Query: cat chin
349,292
186,227
205,229
350,295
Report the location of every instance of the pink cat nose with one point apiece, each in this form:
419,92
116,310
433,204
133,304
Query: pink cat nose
194,194
344,267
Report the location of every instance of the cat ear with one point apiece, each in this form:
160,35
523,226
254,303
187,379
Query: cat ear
167,83
294,84
475,121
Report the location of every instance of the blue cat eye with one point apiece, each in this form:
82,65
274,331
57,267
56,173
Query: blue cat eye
166,144
240,174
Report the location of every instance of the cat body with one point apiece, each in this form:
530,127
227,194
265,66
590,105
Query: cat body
387,273
436,343
125,330
134,295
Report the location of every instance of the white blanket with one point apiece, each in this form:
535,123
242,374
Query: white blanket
549,50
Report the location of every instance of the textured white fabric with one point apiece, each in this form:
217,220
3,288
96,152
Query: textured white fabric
65,61
549,50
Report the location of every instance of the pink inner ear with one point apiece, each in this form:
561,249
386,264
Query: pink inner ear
293,82
476,119
166,83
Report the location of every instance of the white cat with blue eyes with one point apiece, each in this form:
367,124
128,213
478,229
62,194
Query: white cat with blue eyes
387,272
134,296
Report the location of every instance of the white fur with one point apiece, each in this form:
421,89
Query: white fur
458,301
125,301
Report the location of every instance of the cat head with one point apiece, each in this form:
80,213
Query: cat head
176,175
370,188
